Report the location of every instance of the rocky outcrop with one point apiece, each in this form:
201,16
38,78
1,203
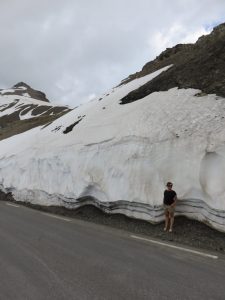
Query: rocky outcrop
23,89
200,66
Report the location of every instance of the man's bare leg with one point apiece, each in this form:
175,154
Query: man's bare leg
171,217
166,221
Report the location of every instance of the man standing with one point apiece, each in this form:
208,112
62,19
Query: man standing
169,200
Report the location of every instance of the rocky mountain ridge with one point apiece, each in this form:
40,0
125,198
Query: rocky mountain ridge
200,66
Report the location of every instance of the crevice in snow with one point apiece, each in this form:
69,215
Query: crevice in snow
102,142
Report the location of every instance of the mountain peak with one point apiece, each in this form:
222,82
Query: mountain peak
21,84
23,89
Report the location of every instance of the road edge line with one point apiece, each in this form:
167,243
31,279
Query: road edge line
10,204
56,217
175,247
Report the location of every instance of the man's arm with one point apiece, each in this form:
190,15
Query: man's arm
175,201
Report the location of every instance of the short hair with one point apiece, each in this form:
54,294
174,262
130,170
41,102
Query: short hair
169,183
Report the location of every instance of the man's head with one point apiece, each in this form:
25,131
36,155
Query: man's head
169,185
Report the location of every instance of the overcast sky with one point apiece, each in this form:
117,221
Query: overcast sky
74,50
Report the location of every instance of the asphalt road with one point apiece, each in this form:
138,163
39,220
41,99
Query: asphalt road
43,257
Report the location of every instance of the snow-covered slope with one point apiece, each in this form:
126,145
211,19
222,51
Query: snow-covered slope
22,104
19,111
120,156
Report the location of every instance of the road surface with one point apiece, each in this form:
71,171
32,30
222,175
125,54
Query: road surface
43,256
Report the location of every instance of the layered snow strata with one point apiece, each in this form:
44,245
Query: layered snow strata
119,157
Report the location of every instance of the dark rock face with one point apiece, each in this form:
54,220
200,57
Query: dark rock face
70,128
200,66
21,88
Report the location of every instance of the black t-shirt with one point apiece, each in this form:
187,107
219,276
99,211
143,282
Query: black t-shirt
169,197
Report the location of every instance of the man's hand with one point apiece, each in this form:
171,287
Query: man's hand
175,201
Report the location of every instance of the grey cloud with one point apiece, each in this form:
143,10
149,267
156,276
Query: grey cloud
74,49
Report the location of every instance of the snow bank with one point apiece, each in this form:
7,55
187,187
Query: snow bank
121,156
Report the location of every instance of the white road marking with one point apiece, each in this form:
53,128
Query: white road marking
14,205
175,247
56,217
